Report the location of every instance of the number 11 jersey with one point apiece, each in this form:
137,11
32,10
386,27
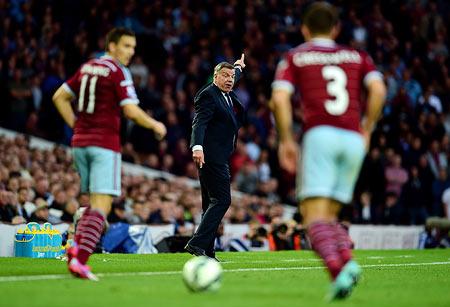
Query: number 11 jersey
101,87
329,78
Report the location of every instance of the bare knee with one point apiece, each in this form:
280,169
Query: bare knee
101,202
318,209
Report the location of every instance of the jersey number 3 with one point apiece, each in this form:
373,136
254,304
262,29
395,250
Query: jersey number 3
91,97
336,86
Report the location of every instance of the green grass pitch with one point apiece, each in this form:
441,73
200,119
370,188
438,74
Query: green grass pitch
390,278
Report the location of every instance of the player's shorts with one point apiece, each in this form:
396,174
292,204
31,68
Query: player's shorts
329,164
99,169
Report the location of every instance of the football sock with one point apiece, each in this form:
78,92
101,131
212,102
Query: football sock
88,233
323,242
344,243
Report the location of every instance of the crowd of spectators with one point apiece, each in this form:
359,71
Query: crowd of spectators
39,185
179,42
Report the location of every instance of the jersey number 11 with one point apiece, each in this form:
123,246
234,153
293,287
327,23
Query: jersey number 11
90,82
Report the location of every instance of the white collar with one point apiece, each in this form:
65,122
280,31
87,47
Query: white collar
108,57
323,42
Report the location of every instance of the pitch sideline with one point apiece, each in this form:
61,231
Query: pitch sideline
67,276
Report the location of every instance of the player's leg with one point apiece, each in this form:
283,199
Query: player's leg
321,231
318,178
78,269
342,236
353,151
81,162
352,155
104,182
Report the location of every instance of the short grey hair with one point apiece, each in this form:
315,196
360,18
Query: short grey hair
222,65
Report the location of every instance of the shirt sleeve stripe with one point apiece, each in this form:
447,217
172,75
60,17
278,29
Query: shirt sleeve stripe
283,85
128,101
126,83
67,88
373,75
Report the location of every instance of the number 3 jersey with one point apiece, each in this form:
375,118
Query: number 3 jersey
329,79
101,87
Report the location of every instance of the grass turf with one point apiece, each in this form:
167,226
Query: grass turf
390,278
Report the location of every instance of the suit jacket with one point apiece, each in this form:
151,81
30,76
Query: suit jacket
215,125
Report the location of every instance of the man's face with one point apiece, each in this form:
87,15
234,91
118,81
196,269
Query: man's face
224,79
123,51
23,195
42,213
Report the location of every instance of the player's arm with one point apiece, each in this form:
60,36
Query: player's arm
373,81
62,99
375,101
280,104
136,114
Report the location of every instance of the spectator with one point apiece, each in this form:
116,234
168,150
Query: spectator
396,176
60,200
412,87
247,179
429,102
70,208
42,189
24,206
21,105
440,184
414,198
263,166
10,210
41,214
117,213
436,159
140,213
138,68
366,210
392,211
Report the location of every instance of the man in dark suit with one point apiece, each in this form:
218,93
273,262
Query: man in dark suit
218,117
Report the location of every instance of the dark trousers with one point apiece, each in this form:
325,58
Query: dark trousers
216,199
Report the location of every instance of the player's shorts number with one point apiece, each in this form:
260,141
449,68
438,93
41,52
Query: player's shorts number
336,86
85,80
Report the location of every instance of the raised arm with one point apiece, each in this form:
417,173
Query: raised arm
239,65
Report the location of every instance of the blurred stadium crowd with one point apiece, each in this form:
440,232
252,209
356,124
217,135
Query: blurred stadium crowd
404,175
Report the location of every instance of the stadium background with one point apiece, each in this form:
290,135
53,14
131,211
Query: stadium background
43,42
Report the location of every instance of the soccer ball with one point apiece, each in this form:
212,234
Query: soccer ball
202,274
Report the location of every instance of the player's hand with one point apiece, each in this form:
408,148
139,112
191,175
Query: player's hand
198,157
288,154
240,62
366,136
160,131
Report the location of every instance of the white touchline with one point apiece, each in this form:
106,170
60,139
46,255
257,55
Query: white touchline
67,276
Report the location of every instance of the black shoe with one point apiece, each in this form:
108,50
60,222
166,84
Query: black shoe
194,250
212,256
215,258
